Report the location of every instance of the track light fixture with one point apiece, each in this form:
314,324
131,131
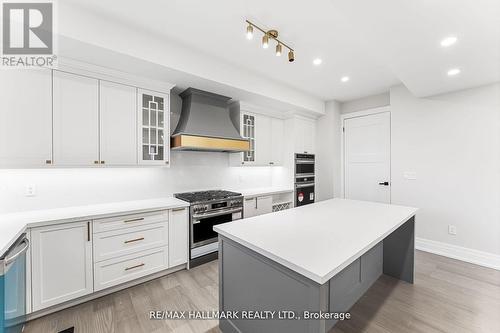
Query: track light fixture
270,34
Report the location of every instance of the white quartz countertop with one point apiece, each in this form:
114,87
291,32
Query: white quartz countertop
12,225
254,192
321,239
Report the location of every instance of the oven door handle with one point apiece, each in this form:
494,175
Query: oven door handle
304,185
300,175
200,216
304,162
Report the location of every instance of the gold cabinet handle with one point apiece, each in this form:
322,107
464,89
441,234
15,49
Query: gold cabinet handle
132,267
178,209
134,240
134,220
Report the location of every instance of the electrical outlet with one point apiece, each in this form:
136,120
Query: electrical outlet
30,190
452,230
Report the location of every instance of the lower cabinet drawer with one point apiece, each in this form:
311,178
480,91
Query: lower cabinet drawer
127,221
117,243
112,272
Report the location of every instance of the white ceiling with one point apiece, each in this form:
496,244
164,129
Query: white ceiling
378,44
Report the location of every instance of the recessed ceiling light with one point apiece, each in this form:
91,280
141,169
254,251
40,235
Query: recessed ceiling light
449,41
454,71
345,78
317,61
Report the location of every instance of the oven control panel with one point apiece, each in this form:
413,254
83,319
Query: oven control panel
216,206
200,209
236,203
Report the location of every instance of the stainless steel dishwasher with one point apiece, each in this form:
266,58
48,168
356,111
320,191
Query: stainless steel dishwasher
13,287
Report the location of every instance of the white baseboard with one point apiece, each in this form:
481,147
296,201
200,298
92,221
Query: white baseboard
481,258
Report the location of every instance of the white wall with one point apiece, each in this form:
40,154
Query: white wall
364,103
452,142
328,152
69,187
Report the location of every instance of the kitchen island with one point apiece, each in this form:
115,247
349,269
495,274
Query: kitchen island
319,258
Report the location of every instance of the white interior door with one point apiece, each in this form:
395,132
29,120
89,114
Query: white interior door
367,154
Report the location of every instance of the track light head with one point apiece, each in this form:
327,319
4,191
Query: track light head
265,41
291,56
249,32
278,49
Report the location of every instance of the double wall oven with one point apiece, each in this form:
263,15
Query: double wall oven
207,209
304,179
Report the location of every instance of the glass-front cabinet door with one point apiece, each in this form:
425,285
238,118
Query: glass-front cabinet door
248,132
154,128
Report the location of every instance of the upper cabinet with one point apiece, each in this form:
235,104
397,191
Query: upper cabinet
266,137
277,140
154,128
25,118
118,124
263,144
81,116
76,120
304,133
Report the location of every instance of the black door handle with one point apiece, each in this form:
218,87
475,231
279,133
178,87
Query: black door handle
384,183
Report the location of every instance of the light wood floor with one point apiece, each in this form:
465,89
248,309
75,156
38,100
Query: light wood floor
448,296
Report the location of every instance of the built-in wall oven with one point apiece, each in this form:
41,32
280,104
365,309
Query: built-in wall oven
304,179
207,209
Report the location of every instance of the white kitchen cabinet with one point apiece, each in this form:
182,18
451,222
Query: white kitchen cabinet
247,131
154,128
257,206
309,137
263,137
277,141
118,124
61,257
119,270
76,119
304,133
266,137
178,237
26,118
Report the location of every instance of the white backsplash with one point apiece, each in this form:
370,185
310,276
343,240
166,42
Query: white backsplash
63,187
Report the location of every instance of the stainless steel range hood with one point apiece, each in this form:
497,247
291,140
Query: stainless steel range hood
206,124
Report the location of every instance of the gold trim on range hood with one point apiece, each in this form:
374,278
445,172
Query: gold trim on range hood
194,142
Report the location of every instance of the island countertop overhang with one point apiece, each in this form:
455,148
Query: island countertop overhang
318,240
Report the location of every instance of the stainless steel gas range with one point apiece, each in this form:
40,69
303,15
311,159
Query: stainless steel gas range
209,208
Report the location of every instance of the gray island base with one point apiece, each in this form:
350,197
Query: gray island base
250,281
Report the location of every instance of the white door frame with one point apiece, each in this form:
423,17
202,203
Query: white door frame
357,114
